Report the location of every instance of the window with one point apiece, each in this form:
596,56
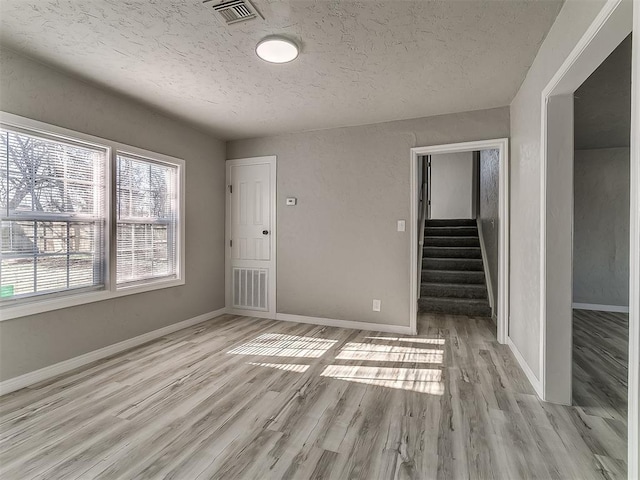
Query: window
53,215
64,238
146,198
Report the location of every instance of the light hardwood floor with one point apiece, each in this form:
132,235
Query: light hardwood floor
239,397
600,372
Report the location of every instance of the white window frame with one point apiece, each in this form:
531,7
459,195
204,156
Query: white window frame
59,300
156,158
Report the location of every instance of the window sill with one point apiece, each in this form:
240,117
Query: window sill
58,303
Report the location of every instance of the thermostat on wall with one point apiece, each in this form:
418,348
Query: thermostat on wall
292,201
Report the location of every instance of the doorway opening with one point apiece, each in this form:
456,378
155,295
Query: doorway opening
563,283
601,180
459,268
455,232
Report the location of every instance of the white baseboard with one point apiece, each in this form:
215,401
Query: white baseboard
328,322
332,322
249,313
601,308
535,383
51,371
45,373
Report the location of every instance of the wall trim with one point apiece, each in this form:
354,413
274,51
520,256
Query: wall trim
601,308
22,381
36,376
633,415
533,380
250,313
485,265
612,24
333,322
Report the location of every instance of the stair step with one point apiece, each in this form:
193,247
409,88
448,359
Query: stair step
453,290
468,264
450,241
453,276
452,252
451,231
454,306
453,222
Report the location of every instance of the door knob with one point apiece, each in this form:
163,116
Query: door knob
265,232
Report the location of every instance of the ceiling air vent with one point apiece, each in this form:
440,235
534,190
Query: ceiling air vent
235,11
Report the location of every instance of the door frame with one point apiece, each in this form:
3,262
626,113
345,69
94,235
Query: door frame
502,145
272,284
612,25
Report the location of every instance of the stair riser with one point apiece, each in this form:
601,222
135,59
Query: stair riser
451,231
451,223
448,264
451,242
452,309
454,291
438,276
452,252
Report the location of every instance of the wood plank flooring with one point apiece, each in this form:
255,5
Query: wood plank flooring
244,398
600,373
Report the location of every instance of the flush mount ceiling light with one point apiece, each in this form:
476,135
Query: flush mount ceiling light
277,50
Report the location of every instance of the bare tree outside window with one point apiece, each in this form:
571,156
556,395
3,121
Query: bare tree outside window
52,215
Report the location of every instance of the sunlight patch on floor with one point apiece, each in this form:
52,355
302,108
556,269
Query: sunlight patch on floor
389,353
422,380
289,367
279,345
431,341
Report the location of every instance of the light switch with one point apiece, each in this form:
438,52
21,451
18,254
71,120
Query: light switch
291,201
401,225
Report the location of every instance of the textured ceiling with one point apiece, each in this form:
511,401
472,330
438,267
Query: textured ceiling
602,107
361,62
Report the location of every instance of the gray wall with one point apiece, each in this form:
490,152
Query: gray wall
601,226
452,185
38,92
602,104
489,212
338,248
602,112
524,326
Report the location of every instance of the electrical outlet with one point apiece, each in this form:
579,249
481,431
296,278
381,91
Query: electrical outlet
401,225
376,305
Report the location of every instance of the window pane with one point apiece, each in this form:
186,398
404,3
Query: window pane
18,238
17,276
51,273
147,219
53,224
41,257
50,176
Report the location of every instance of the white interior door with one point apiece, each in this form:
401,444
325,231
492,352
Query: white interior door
251,235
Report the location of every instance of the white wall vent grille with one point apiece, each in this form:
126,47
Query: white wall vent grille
235,11
250,288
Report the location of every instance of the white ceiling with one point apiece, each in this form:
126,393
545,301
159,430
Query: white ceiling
361,62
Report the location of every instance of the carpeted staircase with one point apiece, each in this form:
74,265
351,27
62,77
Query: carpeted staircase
453,278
